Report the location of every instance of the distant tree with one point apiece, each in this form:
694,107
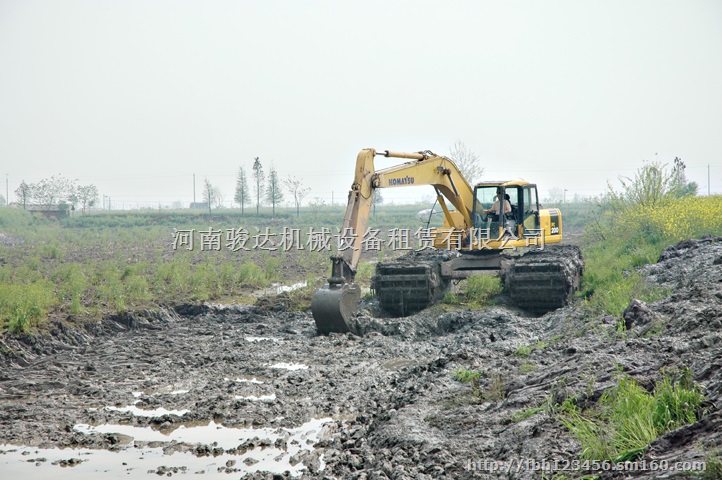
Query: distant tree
24,193
218,197
53,191
296,189
680,187
209,194
468,162
241,195
258,178
556,195
2,201
274,192
377,200
316,206
86,196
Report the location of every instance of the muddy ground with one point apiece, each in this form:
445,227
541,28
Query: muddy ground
387,402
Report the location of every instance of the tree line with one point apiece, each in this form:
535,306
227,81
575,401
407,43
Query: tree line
57,191
266,190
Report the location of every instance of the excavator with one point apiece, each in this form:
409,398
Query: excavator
513,237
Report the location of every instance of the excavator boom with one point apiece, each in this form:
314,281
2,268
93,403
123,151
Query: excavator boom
333,305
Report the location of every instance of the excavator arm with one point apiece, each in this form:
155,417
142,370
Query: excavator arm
334,304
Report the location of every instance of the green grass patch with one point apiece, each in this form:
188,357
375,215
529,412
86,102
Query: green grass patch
24,307
517,417
629,418
477,292
480,289
527,367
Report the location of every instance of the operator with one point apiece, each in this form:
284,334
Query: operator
494,210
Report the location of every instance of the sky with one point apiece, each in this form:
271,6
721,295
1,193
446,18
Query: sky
136,97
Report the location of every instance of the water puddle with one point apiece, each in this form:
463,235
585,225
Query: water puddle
245,380
278,452
288,288
139,412
170,389
289,366
261,339
262,398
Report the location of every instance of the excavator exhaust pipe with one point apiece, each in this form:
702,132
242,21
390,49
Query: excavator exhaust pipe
333,306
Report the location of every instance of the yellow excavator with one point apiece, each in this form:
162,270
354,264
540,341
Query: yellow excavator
491,224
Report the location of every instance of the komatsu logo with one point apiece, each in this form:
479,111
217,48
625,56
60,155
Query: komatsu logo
401,181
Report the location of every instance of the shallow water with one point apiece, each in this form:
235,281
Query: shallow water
133,462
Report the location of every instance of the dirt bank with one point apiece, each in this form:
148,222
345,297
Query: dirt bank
385,404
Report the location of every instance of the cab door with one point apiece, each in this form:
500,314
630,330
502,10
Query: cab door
530,208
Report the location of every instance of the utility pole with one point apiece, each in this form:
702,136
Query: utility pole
194,188
7,192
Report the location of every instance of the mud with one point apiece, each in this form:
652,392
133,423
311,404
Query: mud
259,381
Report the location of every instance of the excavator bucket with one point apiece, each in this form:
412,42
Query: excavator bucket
333,306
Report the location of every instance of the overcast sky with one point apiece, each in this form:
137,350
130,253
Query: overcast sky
137,96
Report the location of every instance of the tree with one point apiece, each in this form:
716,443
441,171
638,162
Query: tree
24,193
209,194
555,195
53,190
274,193
296,189
241,195
2,201
680,186
258,178
217,197
86,195
467,161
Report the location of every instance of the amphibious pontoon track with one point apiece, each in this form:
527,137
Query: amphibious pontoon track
410,283
543,280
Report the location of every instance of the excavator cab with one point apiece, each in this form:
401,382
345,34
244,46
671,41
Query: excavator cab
523,199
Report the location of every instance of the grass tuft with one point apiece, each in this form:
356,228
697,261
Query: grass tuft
629,417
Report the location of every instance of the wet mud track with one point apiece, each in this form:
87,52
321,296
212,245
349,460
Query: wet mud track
229,391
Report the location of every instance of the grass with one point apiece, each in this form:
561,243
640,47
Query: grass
22,307
102,262
517,417
524,351
629,418
619,242
477,293
495,389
